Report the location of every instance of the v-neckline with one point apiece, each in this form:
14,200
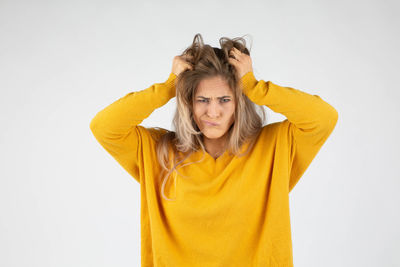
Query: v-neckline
210,165
221,158
208,157
218,158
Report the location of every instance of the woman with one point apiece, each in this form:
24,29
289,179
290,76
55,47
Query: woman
231,203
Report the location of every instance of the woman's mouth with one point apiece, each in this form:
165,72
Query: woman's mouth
209,123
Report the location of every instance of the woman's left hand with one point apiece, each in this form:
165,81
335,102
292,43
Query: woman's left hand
241,61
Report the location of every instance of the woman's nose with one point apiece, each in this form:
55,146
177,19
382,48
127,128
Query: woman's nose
213,110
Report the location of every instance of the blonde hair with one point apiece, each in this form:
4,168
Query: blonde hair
207,62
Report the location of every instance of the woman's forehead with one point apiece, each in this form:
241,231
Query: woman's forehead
213,87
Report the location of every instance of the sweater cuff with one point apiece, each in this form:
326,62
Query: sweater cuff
248,82
170,85
170,82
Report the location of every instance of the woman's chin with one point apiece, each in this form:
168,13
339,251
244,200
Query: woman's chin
212,134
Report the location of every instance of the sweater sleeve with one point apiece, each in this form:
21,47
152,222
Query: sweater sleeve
117,129
310,120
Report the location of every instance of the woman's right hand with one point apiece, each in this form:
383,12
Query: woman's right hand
180,64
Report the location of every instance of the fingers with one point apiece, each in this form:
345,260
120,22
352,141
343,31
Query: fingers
235,50
235,53
233,62
187,56
189,66
186,60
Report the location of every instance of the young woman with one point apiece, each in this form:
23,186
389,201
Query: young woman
229,175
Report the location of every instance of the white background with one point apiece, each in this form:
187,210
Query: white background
65,202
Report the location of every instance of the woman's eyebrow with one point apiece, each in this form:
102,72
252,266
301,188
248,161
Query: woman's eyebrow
217,97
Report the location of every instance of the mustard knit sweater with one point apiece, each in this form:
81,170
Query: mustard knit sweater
230,211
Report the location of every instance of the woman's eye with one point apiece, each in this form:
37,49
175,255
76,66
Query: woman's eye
205,100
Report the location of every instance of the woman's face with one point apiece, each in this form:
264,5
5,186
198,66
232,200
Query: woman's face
214,102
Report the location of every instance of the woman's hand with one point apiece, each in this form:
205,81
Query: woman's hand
241,61
181,64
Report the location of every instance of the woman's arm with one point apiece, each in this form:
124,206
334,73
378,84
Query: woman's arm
310,119
117,128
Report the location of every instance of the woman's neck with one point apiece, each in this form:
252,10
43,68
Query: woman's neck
215,147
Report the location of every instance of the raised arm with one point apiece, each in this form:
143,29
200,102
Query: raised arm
310,119
117,129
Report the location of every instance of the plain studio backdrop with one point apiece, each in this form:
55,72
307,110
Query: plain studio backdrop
66,202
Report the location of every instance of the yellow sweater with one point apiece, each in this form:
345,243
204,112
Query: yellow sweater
231,211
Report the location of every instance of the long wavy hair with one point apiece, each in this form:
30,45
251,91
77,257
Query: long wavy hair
207,61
